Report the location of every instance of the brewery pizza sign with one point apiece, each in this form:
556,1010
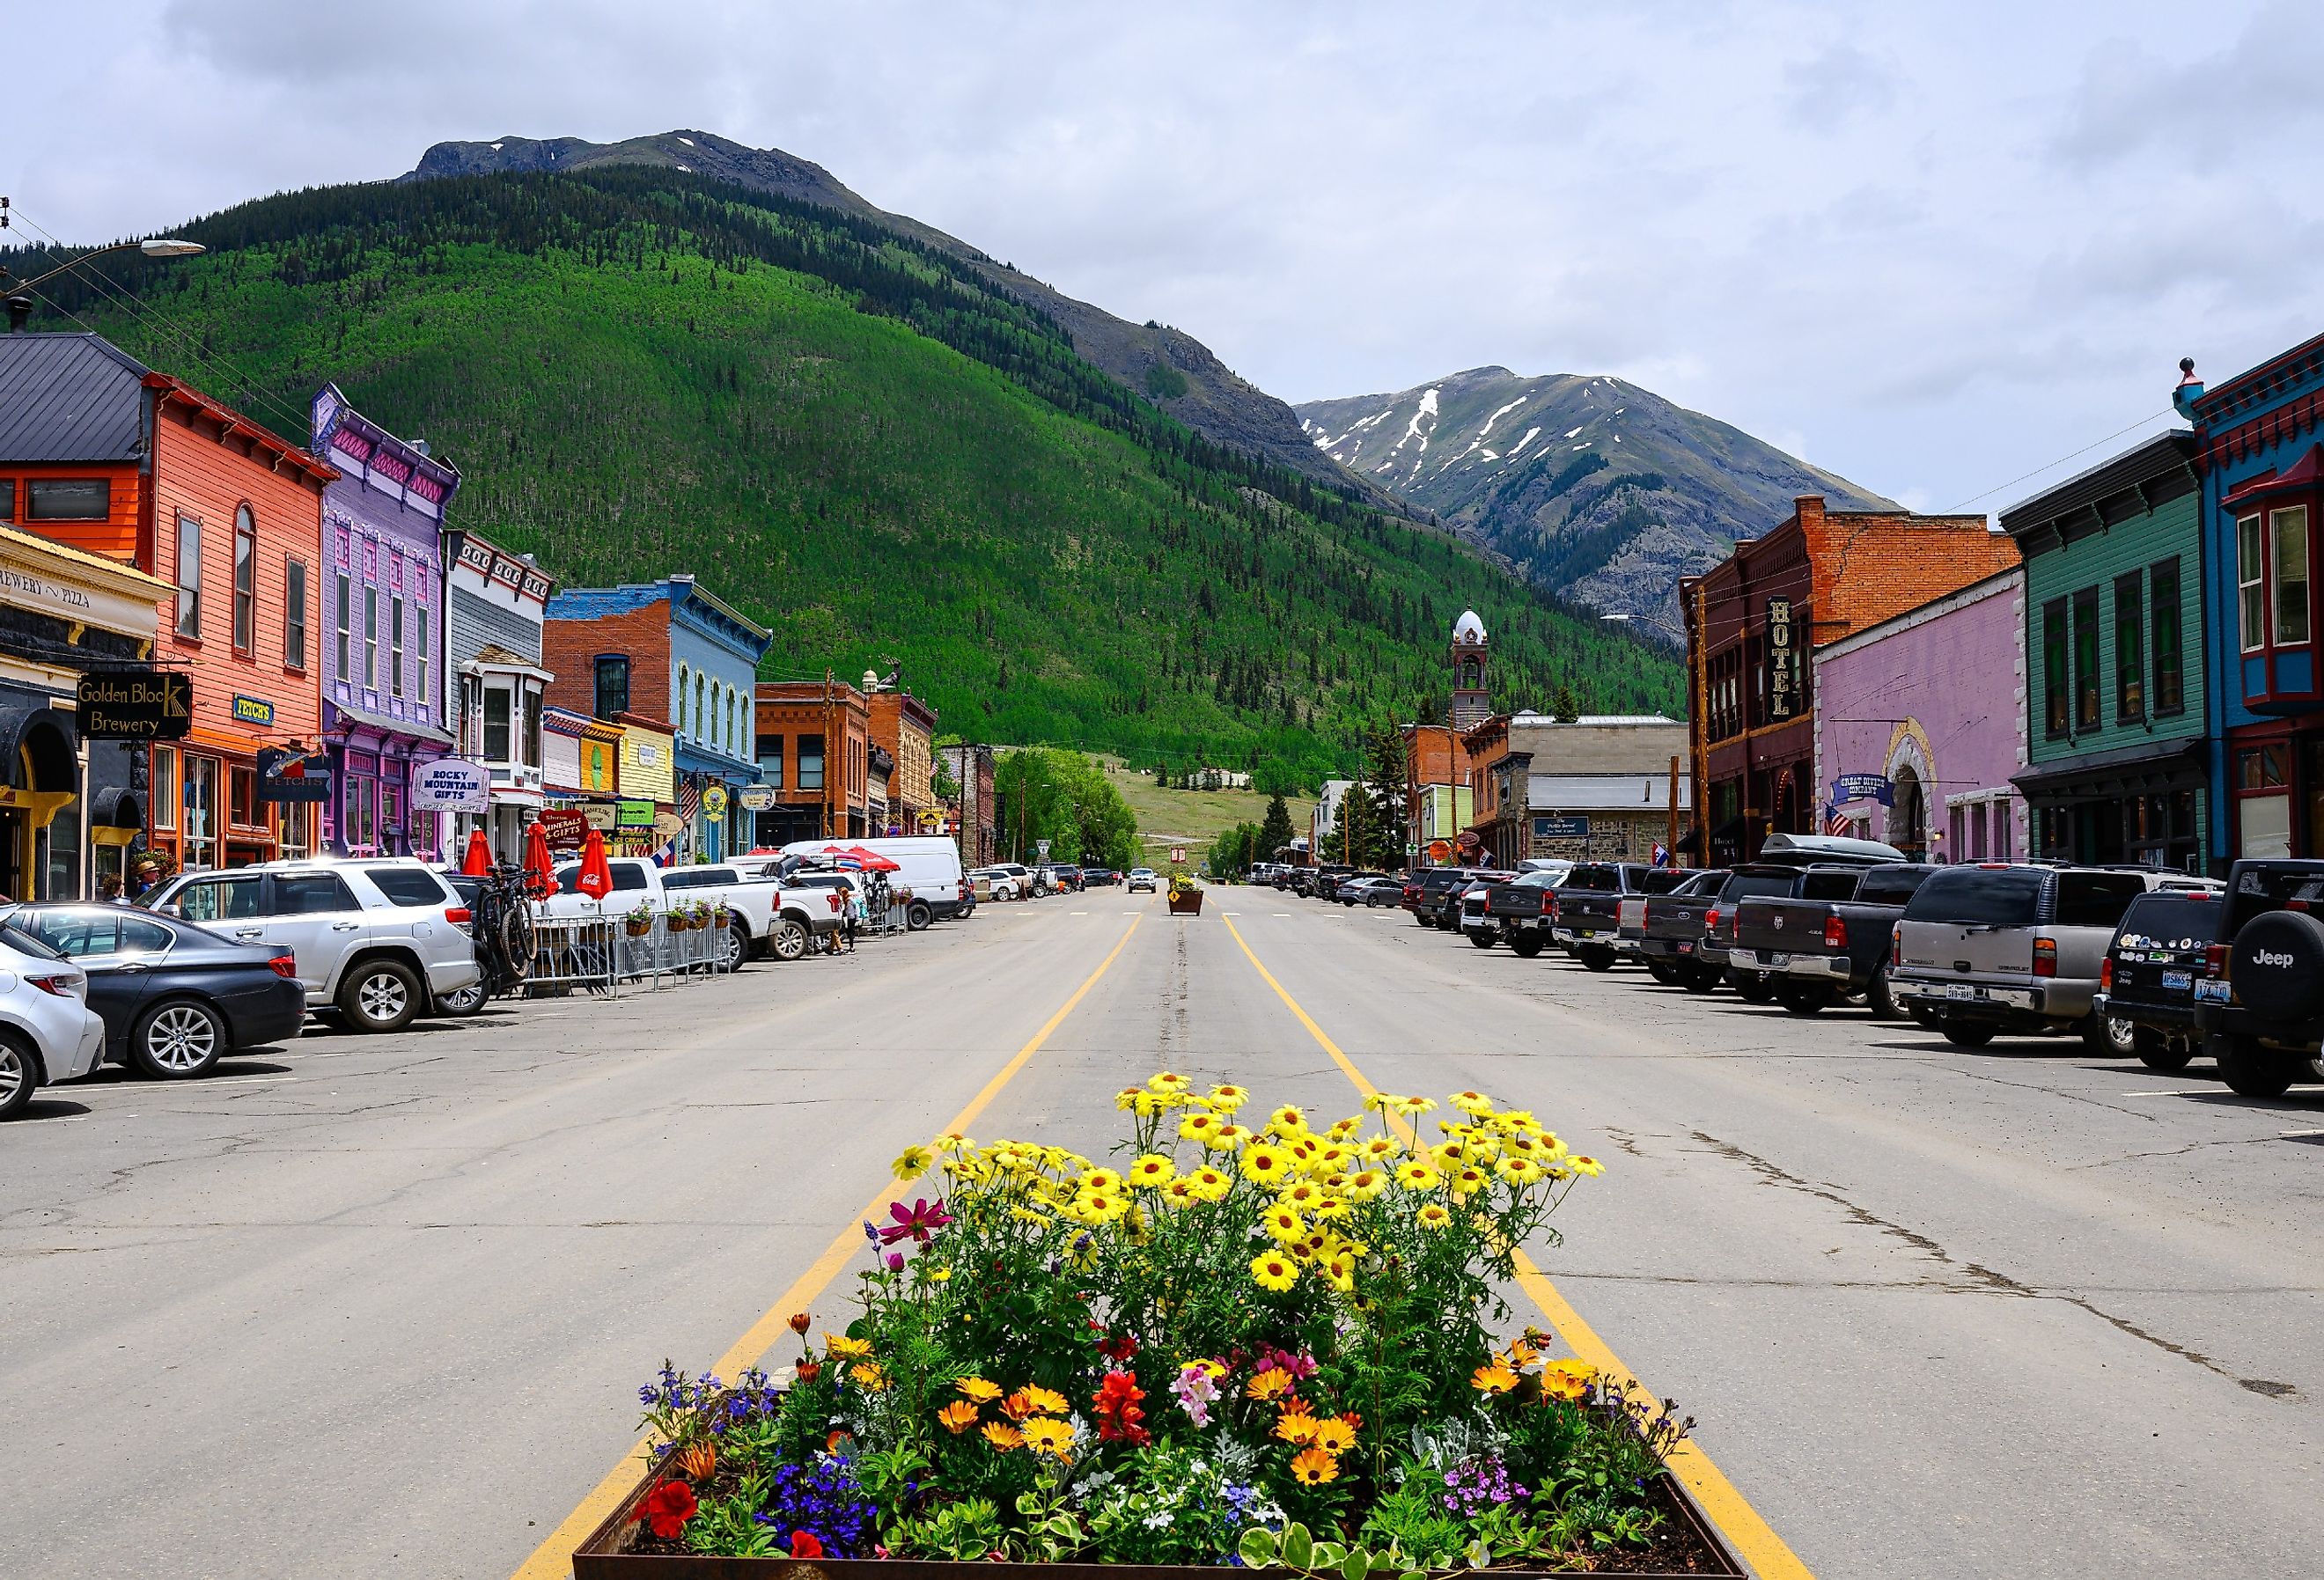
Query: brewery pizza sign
134,704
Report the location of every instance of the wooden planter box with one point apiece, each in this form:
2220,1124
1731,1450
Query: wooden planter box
1190,904
606,1555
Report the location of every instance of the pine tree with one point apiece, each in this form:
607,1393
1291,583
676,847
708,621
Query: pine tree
1275,829
1566,707
1385,778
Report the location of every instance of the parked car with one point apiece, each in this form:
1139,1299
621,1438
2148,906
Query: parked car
1062,879
1373,892
980,883
928,864
1994,946
2260,1000
1585,910
1519,911
377,938
1343,890
1429,891
1011,881
1631,913
765,916
175,998
1100,877
2146,983
1829,938
1670,929
48,1033
1322,881
1774,874
1466,913
1144,878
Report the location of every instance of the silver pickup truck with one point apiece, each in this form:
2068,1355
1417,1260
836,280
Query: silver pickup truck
1996,947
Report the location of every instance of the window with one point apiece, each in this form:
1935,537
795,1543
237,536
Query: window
410,885
342,605
532,729
1959,845
295,828
219,899
2054,684
7,499
699,715
190,578
2288,539
242,797
770,759
2096,899
201,811
395,643
684,700
2260,767
371,638
1976,831
613,685
2251,582
246,577
294,613
1965,896
165,787
2129,651
362,832
312,894
2001,835
388,814
810,762
67,499
2086,659
2168,695
496,726
420,653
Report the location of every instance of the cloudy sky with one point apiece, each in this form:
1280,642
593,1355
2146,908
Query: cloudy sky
1931,246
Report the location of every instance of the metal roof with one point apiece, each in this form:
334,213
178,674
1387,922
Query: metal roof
69,398
1605,792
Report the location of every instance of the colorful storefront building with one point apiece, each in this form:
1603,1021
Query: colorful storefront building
670,644
494,605
383,592
1907,751
1752,622
905,728
2111,668
2259,442
581,768
815,755
646,821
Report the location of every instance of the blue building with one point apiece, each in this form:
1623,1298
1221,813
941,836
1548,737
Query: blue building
668,654
2260,448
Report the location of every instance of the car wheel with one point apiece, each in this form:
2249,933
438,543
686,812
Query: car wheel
2158,1052
380,995
2106,1036
1805,998
1664,972
1481,938
1877,996
917,916
2251,1070
1524,946
1753,987
738,948
178,1040
20,1075
1965,1033
1697,977
1422,920
1596,957
462,1002
789,941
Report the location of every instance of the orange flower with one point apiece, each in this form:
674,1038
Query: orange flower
1312,1466
1334,1436
1493,1379
958,1416
1002,1436
1017,1405
1297,1427
1270,1384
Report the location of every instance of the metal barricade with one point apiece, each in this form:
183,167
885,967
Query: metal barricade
572,952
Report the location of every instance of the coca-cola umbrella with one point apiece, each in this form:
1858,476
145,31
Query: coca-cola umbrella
478,862
872,861
596,878
539,872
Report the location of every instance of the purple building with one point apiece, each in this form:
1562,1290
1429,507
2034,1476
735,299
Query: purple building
381,604
1920,725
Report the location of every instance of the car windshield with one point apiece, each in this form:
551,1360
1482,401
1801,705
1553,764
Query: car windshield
1594,879
1979,897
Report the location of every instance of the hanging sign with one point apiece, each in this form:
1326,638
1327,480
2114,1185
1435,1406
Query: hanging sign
1782,700
451,784
756,798
134,704
599,815
667,825
1864,787
714,801
633,813
931,821
253,710
565,828
292,776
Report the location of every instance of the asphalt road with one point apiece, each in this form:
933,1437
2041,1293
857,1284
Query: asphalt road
379,1307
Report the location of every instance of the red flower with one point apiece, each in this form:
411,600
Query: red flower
1118,1348
1117,1411
808,1371
804,1544
667,1508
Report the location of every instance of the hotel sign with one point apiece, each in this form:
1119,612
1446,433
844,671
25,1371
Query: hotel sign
1782,695
134,704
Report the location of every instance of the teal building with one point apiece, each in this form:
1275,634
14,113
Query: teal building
2117,768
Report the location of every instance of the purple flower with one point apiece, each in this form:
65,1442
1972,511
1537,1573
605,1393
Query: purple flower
917,1224
895,1261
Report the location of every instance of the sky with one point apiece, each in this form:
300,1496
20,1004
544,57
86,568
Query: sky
1953,251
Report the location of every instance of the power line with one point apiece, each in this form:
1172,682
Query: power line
2061,460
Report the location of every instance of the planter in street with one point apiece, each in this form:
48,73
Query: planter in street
1189,903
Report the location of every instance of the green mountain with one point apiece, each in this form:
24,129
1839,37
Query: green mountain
1601,491
861,439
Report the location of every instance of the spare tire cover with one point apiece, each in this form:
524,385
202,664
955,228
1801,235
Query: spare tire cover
2279,966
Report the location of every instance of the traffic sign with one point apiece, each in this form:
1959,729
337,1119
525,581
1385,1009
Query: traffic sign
1178,853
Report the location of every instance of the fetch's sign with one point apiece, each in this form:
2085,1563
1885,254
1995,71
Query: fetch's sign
292,776
134,704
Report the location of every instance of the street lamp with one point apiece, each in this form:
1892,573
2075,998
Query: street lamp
155,247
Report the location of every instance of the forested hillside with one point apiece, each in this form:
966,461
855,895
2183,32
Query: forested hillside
857,439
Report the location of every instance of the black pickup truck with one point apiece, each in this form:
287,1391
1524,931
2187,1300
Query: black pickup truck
1673,927
1585,914
1519,911
1828,939
2259,1004
2146,983
1430,892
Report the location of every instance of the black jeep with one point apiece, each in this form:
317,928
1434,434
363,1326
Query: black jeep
2259,1004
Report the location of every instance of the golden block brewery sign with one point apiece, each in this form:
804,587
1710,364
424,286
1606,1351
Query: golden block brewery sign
134,704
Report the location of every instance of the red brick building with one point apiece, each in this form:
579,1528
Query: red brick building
1751,623
815,752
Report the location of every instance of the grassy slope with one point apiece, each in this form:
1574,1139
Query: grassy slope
625,408
1194,817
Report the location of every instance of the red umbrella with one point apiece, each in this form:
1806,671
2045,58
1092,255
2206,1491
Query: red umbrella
539,872
596,878
872,861
478,862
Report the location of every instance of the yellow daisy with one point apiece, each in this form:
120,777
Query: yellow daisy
1209,1184
1002,1436
1519,1170
1432,1216
1366,1183
1226,1098
840,1347
1471,1103
1269,1384
1283,1224
1296,1426
1168,1081
1589,1166
977,1390
1269,1165
1179,1193
1413,1105
1378,1148
1228,1138
1200,1127
1415,1175
1334,1436
1272,1270
1046,1435
868,1377
1152,1171
1493,1379
1312,1466
1345,1129
1099,1179
911,1163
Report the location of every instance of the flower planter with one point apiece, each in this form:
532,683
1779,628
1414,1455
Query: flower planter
637,930
1187,904
1692,1549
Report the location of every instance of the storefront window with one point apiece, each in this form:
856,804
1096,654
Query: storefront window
810,762
363,812
2288,532
2129,651
165,787
2170,682
242,797
201,807
2260,767
390,817
496,724
2086,659
297,836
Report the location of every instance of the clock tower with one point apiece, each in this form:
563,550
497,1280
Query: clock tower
1472,703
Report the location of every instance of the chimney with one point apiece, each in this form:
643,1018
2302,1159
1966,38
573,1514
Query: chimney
418,446
1808,508
20,313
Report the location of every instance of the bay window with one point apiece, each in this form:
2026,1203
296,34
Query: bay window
2288,542
2251,584
496,724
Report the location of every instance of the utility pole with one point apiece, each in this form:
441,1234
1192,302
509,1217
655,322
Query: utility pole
1672,845
828,754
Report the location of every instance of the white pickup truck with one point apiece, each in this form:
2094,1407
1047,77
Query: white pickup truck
763,918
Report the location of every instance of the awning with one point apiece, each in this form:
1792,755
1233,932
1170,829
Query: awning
1731,830
385,726
2107,776
116,815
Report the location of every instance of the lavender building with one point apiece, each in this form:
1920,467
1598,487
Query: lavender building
382,652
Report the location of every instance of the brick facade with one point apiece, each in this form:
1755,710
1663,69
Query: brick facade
570,649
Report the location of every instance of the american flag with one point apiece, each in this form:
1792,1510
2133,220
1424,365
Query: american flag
689,798
1839,822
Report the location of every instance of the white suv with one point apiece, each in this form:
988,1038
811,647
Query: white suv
378,938
48,1033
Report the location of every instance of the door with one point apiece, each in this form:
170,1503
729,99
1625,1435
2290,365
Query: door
116,948
230,905
319,919
13,867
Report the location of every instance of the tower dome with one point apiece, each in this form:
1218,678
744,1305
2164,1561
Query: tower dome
1469,628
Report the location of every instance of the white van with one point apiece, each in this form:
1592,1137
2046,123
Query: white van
927,865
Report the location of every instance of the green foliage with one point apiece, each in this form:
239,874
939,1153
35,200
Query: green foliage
1165,382
1297,1551
964,1531
1274,829
1063,798
1384,769
1234,851
857,439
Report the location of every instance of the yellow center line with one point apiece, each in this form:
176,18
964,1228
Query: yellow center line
1747,1531
553,1558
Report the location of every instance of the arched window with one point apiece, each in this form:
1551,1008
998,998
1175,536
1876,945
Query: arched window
701,724
685,718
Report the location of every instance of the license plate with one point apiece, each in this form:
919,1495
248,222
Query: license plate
1959,990
2177,979
2212,989
1775,961
1585,932
1686,948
